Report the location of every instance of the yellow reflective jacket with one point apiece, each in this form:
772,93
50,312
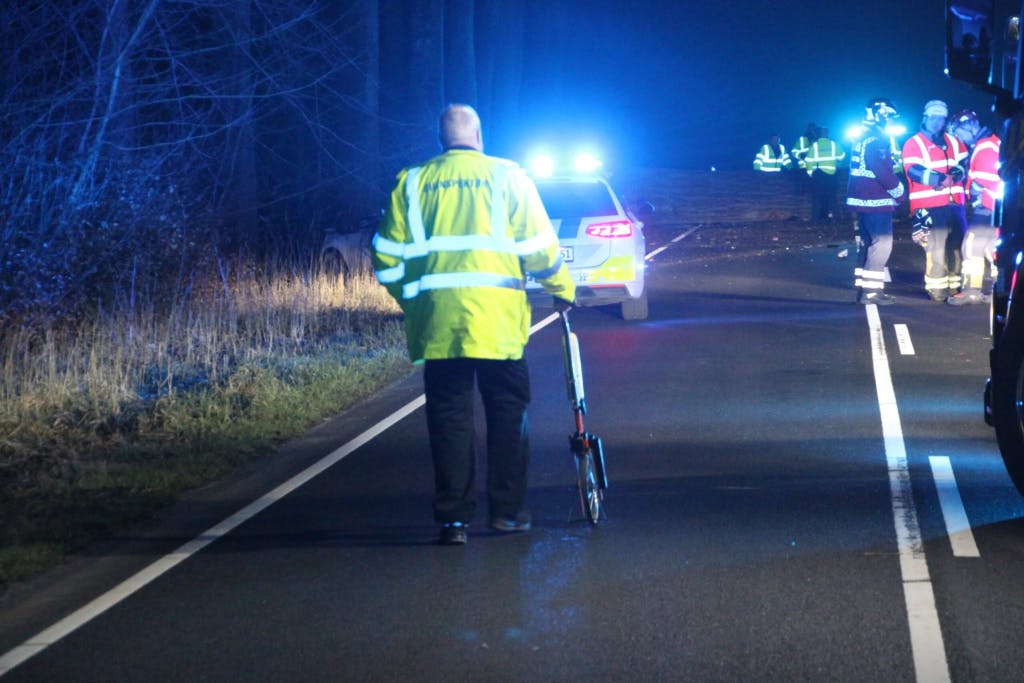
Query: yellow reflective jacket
824,154
459,236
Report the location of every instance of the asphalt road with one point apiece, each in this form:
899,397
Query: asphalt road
774,515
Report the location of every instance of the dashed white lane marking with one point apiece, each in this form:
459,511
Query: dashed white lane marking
682,235
903,339
926,644
961,538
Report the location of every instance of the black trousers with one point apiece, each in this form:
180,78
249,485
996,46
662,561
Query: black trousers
823,195
505,389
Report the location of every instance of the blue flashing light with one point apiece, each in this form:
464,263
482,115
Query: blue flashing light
543,163
1020,255
586,163
542,166
894,130
855,132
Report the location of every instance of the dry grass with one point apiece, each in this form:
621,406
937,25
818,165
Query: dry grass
104,420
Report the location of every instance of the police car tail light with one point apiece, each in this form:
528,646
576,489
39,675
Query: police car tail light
611,229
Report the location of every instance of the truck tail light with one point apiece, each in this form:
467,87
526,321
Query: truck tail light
621,228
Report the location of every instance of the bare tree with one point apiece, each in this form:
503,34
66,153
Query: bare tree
126,124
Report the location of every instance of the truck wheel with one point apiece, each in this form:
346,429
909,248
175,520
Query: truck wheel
1008,403
635,309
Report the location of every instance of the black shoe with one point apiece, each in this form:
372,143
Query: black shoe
965,298
878,298
520,522
453,534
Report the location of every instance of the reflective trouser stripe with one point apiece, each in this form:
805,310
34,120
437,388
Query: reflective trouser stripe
869,279
974,271
936,283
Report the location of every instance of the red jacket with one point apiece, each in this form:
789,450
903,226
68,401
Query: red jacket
921,151
984,171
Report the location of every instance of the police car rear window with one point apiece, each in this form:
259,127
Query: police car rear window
576,200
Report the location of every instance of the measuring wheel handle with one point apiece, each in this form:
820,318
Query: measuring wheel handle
598,448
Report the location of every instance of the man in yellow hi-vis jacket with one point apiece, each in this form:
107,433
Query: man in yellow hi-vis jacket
821,162
460,235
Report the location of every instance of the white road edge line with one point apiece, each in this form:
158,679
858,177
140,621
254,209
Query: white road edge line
98,606
680,236
903,339
926,644
83,615
958,527
123,590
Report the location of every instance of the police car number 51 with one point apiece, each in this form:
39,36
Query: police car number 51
566,253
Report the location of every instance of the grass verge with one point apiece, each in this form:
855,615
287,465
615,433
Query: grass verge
103,423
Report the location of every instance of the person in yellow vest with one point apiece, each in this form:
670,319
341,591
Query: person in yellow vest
460,235
772,157
821,162
803,144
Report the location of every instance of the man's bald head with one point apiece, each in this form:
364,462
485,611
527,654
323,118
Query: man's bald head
460,127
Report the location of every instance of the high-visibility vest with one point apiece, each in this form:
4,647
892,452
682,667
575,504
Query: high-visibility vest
459,237
800,149
984,171
824,154
920,150
767,161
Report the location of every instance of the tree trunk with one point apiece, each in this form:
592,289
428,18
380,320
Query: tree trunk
241,187
426,73
459,52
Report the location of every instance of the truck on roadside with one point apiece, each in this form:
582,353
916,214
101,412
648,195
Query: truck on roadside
983,48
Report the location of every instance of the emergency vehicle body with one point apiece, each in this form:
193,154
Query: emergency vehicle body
601,241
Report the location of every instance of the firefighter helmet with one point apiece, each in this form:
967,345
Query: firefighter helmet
879,111
964,117
965,125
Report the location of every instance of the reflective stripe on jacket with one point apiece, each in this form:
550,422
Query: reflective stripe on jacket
921,151
824,154
459,236
767,161
984,170
873,186
800,149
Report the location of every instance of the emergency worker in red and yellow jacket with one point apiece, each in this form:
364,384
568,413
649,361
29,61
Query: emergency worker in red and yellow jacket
983,184
458,238
933,160
873,191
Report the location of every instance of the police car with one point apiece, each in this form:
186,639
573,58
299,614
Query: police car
602,242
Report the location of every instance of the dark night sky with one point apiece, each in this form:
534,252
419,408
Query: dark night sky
695,84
